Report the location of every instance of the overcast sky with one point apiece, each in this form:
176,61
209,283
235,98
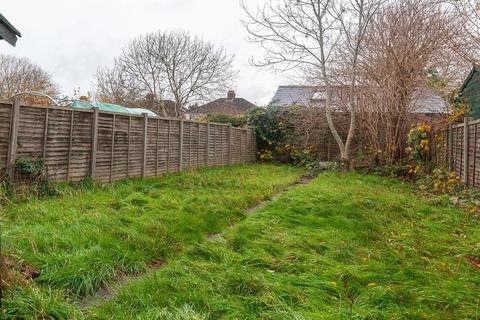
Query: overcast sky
71,39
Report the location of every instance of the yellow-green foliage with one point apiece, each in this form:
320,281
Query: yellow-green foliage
459,107
418,148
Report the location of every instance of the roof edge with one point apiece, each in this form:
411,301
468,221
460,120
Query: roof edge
475,68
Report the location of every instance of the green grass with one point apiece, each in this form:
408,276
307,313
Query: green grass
343,247
82,242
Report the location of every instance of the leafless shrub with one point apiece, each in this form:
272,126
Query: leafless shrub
406,42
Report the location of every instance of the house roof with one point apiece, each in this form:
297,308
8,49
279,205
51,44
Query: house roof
427,101
8,31
424,100
289,95
306,95
225,106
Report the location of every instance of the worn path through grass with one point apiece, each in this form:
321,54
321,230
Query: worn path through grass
80,243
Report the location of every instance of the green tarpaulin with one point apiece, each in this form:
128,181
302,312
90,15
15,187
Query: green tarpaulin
80,104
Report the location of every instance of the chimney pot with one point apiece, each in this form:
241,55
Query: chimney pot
230,95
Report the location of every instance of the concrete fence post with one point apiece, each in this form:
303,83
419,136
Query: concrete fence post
465,150
12,141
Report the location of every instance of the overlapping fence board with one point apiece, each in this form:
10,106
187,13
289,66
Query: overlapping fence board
5,114
116,146
461,151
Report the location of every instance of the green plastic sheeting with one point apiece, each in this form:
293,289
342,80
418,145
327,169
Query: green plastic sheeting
80,104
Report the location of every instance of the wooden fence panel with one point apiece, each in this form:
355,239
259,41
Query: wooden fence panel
31,130
153,148
81,145
186,145
461,151
58,143
174,145
119,160
5,113
202,149
76,143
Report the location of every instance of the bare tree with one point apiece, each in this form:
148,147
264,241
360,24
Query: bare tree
406,43
306,34
468,13
115,87
20,75
168,65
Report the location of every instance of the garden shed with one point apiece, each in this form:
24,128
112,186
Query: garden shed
470,91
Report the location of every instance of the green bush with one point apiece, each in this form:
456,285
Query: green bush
33,172
270,130
235,121
274,142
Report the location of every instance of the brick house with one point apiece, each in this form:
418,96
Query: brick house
230,105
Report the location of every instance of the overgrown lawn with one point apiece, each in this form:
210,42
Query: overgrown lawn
343,247
82,242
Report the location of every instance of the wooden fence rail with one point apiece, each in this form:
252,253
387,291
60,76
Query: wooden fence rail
78,143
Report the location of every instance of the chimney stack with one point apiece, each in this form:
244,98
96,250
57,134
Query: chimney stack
230,95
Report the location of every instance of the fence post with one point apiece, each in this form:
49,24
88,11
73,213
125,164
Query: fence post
207,151
474,177
450,147
465,149
45,135
245,151
144,145
168,146
112,154
180,164
128,144
70,141
230,144
156,147
93,156
12,142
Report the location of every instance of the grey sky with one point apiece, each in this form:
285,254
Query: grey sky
71,39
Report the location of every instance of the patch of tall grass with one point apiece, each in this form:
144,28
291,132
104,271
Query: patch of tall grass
84,239
346,246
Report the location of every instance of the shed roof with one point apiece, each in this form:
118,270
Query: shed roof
475,68
8,31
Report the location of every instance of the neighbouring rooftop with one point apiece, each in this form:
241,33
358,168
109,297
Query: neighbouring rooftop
229,105
424,100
